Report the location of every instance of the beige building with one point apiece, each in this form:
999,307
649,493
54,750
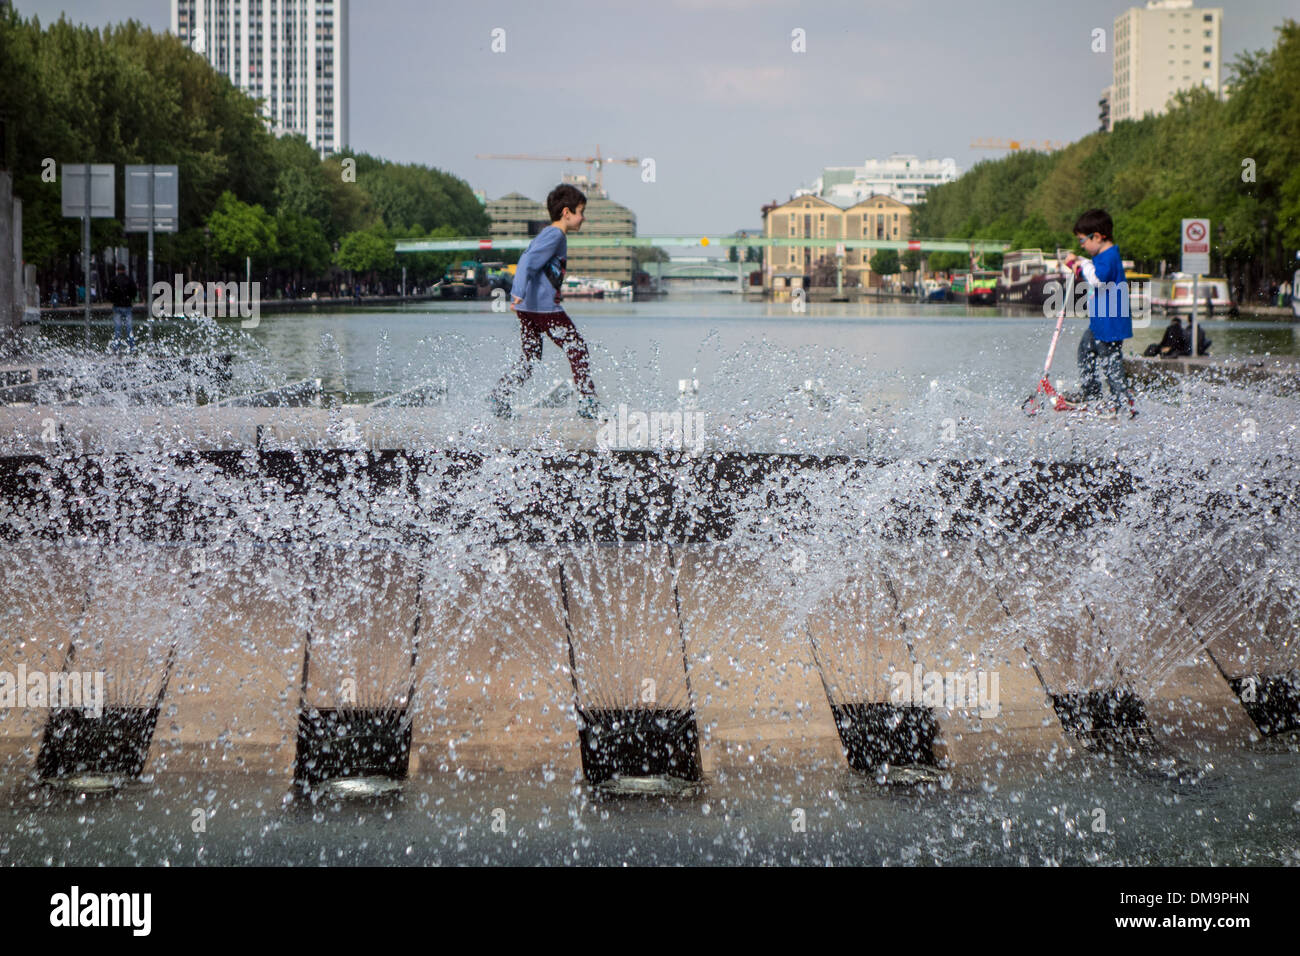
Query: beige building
515,216
604,217
1161,49
875,217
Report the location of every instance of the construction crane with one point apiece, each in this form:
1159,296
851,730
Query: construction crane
1047,146
597,162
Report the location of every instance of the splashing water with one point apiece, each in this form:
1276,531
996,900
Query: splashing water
847,526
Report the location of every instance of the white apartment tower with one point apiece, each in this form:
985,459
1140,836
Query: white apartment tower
1161,49
291,54
902,177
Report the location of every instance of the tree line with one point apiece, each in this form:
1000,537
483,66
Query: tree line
1235,160
125,95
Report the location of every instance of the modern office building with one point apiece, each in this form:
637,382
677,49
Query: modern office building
291,54
515,216
1161,49
901,177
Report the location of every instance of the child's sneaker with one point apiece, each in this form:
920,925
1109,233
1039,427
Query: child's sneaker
500,409
588,407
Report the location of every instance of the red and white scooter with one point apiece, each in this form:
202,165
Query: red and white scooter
1045,394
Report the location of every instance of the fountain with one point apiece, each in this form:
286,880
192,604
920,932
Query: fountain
398,597
355,700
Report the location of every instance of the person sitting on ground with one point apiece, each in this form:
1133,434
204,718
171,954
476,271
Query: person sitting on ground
1203,344
1174,343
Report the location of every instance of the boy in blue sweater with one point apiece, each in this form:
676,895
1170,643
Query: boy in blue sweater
1109,320
535,298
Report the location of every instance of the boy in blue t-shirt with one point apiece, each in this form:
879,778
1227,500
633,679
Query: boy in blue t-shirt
535,298
1109,320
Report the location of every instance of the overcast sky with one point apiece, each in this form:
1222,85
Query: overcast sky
711,89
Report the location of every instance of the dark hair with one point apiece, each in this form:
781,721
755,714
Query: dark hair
1096,220
564,197
121,267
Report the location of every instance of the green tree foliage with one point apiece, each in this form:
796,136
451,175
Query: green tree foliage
884,262
1035,233
301,246
126,95
368,251
239,230
1234,159
122,95
948,261
300,185
432,265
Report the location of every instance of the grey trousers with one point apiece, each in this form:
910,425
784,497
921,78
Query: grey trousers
1103,358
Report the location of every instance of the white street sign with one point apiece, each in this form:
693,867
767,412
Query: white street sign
1196,246
162,195
102,205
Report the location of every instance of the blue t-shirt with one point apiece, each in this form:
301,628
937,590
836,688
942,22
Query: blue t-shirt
1108,308
540,272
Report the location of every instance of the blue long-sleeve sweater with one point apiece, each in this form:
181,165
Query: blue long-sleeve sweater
1108,305
540,272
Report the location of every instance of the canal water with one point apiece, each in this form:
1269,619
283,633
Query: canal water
739,351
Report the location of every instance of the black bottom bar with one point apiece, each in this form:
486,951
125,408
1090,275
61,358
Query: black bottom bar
336,743
639,742
875,733
115,744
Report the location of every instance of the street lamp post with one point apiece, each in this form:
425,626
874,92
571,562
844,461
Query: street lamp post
1263,232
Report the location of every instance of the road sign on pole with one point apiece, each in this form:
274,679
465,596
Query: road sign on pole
152,193
152,205
1196,246
1196,260
97,193
88,194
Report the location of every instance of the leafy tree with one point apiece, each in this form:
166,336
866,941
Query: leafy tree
428,267
885,262
239,230
949,261
1234,159
1149,232
302,247
644,254
300,186
1035,233
367,251
128,95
